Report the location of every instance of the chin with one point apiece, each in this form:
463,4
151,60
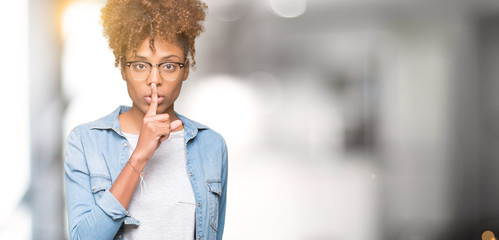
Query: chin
161,109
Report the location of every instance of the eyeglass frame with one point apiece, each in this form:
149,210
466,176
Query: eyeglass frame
180,65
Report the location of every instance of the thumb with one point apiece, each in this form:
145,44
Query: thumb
175,124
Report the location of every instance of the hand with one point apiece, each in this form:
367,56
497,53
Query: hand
155,129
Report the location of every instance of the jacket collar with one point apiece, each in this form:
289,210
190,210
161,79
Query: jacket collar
191,128
111,122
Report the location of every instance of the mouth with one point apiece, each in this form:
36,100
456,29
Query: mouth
149,99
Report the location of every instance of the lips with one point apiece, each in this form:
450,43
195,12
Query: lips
148,99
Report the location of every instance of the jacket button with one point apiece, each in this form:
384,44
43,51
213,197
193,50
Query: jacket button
192,174
199,204
199,237
119,236
124,144
93,188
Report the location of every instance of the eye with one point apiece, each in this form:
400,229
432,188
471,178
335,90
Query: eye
139,66
169,67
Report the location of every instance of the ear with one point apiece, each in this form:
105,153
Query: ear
186,71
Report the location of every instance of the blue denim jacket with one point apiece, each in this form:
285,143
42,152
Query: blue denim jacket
97,151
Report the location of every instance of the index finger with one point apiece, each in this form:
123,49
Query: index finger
154,101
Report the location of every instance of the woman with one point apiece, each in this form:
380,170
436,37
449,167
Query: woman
179,165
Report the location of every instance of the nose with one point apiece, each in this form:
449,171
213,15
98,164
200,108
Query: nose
154,77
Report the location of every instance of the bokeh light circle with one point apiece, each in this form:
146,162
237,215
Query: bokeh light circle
288,8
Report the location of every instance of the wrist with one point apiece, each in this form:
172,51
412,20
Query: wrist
138,161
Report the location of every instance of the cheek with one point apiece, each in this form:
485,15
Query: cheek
133,92
171,96
176,91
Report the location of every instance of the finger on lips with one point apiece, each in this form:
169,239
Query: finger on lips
154,101
163,129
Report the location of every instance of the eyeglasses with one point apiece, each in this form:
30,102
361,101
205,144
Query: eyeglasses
169,71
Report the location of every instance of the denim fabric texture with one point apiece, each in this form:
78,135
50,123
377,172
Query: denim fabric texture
97,151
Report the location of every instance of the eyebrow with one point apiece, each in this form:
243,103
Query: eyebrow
170,56
162,59
137,56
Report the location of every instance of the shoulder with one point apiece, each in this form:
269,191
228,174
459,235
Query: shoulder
200,129
108,122
212,135
84,129
212,139
202,134
83,132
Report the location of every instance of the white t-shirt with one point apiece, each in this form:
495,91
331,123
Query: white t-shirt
165,206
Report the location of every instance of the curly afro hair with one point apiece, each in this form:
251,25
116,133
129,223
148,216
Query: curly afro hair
129,22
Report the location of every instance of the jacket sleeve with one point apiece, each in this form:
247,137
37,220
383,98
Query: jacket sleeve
89,217
223,197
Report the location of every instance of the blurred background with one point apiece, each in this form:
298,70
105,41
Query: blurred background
345,119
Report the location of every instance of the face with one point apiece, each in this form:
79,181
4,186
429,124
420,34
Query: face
168,90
